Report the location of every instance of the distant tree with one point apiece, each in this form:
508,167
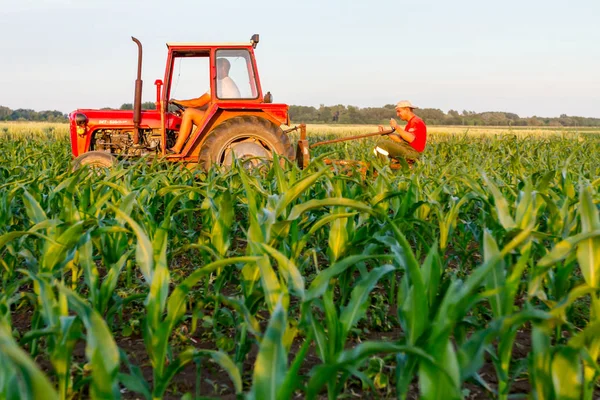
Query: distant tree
432,116
325,114
147,105
304,114
5,113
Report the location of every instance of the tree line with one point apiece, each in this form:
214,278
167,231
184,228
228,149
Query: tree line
21,114
341,114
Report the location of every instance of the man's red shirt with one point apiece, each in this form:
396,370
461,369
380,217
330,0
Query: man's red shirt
417,127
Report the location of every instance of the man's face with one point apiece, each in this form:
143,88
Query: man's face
403,112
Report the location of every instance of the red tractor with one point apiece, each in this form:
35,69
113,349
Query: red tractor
244,122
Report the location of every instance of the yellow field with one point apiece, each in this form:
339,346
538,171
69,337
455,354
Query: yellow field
455,130
342,130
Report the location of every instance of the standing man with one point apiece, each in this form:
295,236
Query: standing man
408,143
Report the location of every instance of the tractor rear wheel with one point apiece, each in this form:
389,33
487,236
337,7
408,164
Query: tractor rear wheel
94,159
252,139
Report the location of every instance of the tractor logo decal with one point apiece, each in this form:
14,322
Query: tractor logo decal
113,121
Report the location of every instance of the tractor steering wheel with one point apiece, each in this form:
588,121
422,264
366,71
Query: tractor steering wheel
180,110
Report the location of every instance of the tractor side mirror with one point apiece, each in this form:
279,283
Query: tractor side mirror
268,98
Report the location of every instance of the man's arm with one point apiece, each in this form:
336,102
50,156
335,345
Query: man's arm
198,102
400,133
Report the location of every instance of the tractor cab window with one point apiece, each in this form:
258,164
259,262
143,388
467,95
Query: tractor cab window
235,75
191,76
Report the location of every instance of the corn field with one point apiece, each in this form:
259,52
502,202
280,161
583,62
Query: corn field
473,274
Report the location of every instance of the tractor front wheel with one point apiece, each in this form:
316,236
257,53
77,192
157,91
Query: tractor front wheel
95,160
252,140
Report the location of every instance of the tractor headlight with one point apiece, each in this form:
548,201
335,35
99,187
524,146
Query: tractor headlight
81,121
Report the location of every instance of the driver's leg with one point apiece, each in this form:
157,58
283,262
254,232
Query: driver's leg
191,116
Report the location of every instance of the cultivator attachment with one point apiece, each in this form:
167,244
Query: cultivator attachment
303,151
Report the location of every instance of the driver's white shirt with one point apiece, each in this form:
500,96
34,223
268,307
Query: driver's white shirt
227,89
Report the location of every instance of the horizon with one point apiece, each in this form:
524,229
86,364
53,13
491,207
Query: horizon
531,59
117,108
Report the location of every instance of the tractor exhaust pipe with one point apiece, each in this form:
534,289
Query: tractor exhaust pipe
137,100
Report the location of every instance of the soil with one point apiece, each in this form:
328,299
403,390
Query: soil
216,383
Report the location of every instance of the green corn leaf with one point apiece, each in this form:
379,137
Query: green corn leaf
291,273
222,224
540,369
57,251
358,304
90,271
176,302
327,373
134,381
588,250
338,238
239,306
271,362
282,182
227,364
10,236
432,273
101,349
502,207
496,278
144,253
200,189
159,287
317,330
110,281
409,198
527,208
34,382
567,374
188,355
271,285
35,212
292,378
299,245
436,386
565,247
332,323
319,285
296,191
300,209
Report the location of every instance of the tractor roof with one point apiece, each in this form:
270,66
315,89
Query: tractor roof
192,44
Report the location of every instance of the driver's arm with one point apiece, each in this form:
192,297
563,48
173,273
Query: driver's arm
199,102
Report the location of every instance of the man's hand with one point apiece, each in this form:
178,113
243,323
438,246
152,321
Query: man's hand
393,124
380,128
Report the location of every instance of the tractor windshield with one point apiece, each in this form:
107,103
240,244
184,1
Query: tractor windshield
191,76
235,75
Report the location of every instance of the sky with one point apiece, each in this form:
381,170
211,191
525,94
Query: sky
530,57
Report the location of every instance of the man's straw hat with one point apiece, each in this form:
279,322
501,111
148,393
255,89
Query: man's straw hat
405,104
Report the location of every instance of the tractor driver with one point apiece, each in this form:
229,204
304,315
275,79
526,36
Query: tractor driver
408,143
194,113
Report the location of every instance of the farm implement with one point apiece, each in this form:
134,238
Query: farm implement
247,125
